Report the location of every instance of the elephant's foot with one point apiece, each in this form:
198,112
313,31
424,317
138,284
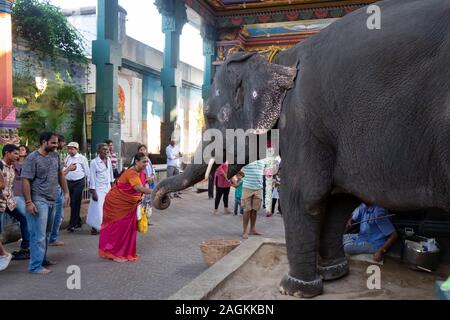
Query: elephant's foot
334,270
299,288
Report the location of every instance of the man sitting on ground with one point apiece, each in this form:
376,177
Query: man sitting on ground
376,234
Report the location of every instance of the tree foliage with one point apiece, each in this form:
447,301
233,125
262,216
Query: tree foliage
44,109
47,30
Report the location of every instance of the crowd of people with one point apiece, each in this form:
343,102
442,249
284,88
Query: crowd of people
35,188
30,192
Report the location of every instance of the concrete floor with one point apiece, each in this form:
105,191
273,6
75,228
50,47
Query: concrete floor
170,256
259,278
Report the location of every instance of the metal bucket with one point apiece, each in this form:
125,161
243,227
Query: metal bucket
416,258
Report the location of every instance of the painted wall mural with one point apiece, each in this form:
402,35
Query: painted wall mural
264,36
121,102
286,28
131,96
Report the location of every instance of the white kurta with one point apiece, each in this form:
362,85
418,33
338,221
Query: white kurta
101,178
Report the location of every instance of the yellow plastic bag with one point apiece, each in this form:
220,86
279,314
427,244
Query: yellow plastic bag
142,224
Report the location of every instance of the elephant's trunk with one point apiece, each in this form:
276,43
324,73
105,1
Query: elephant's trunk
193,174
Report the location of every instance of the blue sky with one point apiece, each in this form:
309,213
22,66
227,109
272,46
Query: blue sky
144,24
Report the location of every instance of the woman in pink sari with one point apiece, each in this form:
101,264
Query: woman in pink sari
119,227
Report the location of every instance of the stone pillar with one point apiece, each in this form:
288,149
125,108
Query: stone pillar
173,19
209,45
107,56
7,110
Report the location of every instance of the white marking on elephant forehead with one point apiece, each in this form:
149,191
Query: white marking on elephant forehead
254,94
217,92
225,113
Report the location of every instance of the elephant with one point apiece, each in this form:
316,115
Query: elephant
363,115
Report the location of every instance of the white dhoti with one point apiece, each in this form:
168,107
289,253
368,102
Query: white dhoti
95,210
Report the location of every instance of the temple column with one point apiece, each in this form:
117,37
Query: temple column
209,45
173,19
107,56
7,109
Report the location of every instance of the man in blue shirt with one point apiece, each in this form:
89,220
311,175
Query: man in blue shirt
376,234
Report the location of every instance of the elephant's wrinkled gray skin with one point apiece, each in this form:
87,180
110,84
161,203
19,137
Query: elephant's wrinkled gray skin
247,93
369,114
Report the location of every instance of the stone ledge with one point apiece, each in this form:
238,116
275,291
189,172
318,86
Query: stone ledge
205,284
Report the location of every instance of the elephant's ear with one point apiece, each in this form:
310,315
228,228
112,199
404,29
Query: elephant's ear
283,76
268,98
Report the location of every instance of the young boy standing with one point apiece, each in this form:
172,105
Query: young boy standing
237,183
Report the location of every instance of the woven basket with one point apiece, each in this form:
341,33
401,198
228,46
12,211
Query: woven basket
214,250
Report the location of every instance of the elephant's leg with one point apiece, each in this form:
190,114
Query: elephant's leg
302,229
306,183
332,262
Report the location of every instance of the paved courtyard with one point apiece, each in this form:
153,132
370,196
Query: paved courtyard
170,256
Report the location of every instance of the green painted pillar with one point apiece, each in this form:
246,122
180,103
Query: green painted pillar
173,19
107,56
209,51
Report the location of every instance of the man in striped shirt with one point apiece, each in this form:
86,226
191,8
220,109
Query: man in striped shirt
252,195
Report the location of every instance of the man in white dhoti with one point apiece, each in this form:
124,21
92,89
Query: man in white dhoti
101,179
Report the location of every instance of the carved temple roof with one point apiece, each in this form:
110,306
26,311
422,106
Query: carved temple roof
259,25
236,6
232,13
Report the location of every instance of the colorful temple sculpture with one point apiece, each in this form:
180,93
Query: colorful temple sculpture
8,123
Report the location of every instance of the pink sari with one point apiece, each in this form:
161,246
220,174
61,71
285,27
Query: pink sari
119,228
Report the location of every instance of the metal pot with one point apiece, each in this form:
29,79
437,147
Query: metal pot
416,257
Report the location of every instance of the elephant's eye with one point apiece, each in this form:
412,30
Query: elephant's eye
254,94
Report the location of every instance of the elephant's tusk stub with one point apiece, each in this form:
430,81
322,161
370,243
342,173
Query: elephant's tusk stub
208,170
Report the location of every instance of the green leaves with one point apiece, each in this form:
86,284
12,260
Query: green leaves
48,110
47,30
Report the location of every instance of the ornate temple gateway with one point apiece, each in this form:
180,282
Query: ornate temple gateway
257,25
231,25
